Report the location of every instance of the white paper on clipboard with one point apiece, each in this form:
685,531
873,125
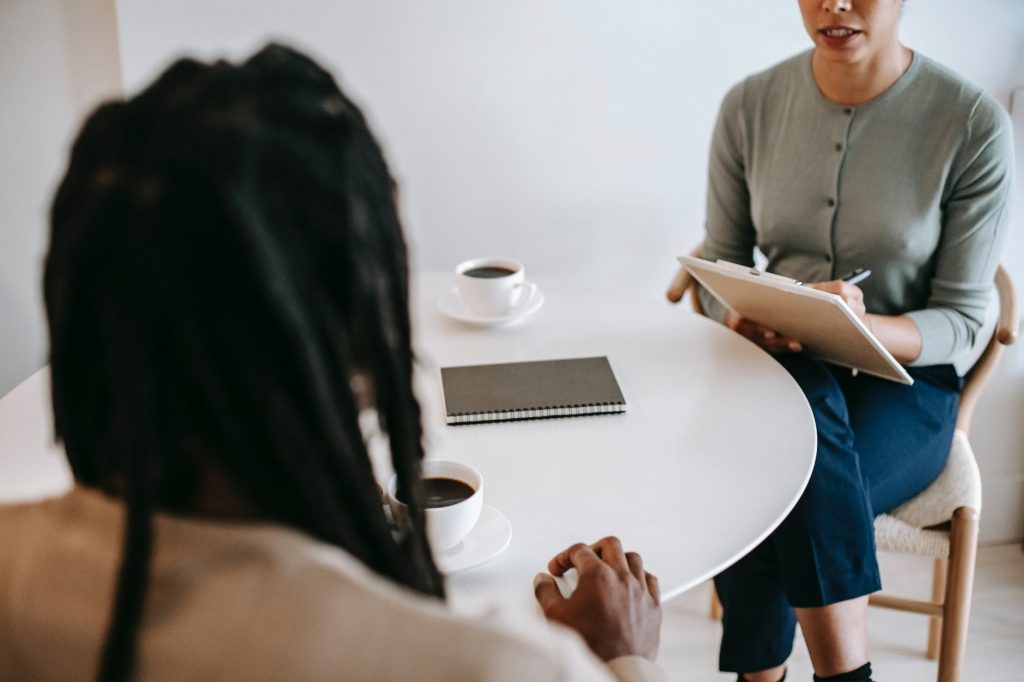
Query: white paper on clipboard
822,322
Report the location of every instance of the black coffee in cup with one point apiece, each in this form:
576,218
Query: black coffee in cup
489,272
440,492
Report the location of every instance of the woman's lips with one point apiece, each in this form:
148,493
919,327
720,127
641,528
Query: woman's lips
838,36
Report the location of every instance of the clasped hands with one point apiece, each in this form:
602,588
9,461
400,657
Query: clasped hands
773,342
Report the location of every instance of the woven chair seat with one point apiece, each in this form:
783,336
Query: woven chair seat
911,528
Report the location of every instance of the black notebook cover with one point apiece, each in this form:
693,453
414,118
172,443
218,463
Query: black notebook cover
530,390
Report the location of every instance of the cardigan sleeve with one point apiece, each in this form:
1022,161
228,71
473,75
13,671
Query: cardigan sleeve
729,229
975,218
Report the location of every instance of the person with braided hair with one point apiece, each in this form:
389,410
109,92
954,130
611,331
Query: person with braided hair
227,293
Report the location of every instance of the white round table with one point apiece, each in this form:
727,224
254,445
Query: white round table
716,446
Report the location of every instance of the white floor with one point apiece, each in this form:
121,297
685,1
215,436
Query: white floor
995,644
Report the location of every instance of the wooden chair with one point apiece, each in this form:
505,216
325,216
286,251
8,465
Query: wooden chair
942,521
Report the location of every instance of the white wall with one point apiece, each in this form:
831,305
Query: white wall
573,134
57,59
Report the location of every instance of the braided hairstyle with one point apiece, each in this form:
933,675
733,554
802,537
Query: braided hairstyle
225,259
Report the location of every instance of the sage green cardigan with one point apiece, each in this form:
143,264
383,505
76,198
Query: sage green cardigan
914,185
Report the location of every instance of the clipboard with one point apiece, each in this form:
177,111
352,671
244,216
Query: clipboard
822,322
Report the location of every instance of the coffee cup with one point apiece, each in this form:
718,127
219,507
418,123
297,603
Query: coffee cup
493,286
452,494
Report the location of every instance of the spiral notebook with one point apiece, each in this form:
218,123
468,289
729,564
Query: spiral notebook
571,387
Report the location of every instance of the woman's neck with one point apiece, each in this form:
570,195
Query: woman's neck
857,82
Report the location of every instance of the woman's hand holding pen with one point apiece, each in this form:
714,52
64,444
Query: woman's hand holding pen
897,333
851,294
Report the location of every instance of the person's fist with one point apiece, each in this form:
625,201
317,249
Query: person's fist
616,604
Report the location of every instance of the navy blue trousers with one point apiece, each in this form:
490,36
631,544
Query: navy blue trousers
879,444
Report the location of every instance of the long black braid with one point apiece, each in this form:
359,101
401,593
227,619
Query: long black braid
226,257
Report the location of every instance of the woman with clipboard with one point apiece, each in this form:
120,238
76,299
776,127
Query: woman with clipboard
858,153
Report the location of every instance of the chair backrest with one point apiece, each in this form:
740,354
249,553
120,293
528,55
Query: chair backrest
978,376
1005,334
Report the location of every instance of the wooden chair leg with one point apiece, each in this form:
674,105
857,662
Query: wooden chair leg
963,546
938,595
716,604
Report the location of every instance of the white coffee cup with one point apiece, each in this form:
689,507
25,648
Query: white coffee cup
493,286
446,526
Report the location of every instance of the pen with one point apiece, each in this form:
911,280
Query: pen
857,276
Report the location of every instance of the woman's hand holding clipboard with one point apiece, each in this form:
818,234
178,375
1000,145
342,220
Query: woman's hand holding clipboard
826,319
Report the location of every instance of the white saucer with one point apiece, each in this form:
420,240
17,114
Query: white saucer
489,538
451,305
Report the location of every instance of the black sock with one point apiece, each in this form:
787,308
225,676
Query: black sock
861,674
740,678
